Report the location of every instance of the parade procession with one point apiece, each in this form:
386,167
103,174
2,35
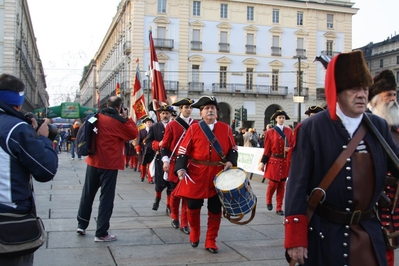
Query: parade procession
199,133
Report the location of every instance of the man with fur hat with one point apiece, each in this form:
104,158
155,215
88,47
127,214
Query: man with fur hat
198,162
145,155
342,228
274,161
155,141
382,102
174,133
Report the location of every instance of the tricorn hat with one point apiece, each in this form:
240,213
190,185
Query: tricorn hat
314,109
166,108
147,118
206,100
384,81
185,101
278,113
345,71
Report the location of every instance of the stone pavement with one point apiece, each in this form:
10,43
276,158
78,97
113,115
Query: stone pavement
145,237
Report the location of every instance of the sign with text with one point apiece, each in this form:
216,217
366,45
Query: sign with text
249,158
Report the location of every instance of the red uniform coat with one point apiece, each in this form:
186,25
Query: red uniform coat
173,132
196,145
276,168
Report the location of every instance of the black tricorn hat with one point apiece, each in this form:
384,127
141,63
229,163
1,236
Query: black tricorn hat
147,118
185,101
278,113
206,100
384,81
166,108
314,109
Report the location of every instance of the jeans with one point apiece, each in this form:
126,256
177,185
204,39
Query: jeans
73,149
96,178
24,260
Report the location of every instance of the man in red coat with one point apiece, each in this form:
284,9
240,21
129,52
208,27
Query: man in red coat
197,164
277,142
174,133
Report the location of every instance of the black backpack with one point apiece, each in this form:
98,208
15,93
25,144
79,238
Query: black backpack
86,137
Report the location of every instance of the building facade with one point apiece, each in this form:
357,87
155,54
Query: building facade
252,54
19,55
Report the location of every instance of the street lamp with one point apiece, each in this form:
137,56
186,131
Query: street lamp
299,57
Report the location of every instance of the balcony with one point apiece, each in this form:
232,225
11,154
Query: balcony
171,86
250,49
329,53
320,94
303,92
276,51
249,89
196,86
127,48
301,53
224,47
163,43
196,45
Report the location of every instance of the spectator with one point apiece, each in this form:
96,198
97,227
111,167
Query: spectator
74,133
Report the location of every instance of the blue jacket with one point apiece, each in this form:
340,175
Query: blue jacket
22,154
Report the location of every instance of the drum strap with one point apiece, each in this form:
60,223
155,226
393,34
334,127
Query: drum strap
212,139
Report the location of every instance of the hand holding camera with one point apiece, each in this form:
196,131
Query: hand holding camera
124,112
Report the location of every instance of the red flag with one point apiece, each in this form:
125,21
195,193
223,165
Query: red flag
117,89
158,87
138,97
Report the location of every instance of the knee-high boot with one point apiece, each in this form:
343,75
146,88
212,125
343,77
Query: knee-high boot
194,218
150,179
142,172
168,210
212,231
280,195
174,207
183,214
271,188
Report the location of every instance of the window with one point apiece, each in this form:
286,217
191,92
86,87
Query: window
381,62
397,60
329,48
249,78
223,11
250,13
162,69
330,21
161,32
223,77
196,43
274,80
299,18
299,47
197,8
276,16
223,45
251,48
276,49
161,6
397,76
195,77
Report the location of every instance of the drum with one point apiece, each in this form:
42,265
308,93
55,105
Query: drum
235,194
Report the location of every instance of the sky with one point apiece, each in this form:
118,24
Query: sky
70,32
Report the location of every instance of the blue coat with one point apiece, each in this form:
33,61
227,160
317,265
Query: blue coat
319,142
22,154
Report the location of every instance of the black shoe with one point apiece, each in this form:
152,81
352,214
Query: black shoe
175,224
155,206
142,179
168,211
194,244
151,182
212,250
280,212
269,206
185,230
126,165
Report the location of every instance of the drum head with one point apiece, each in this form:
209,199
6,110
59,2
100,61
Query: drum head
230,179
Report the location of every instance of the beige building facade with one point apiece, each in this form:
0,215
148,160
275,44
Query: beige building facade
19,55
252,54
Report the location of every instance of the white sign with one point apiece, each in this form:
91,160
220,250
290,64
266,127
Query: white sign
249,158
298,99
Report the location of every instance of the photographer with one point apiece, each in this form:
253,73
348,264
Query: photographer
24,153
114,128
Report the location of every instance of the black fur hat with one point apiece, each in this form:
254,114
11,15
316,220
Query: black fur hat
384,81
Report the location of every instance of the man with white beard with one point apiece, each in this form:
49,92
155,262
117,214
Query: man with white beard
382,102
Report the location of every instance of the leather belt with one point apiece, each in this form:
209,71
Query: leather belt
277,155
206,162
350,218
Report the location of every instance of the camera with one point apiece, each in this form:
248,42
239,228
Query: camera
52,129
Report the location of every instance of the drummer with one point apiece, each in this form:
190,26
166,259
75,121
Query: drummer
198,172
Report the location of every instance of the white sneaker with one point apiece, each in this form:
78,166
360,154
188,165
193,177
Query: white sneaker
81,231
107,238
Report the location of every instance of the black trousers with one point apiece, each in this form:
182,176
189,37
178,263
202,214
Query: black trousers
96,178
214,204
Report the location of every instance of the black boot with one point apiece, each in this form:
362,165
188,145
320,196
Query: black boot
155,206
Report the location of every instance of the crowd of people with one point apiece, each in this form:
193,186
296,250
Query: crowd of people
337,171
